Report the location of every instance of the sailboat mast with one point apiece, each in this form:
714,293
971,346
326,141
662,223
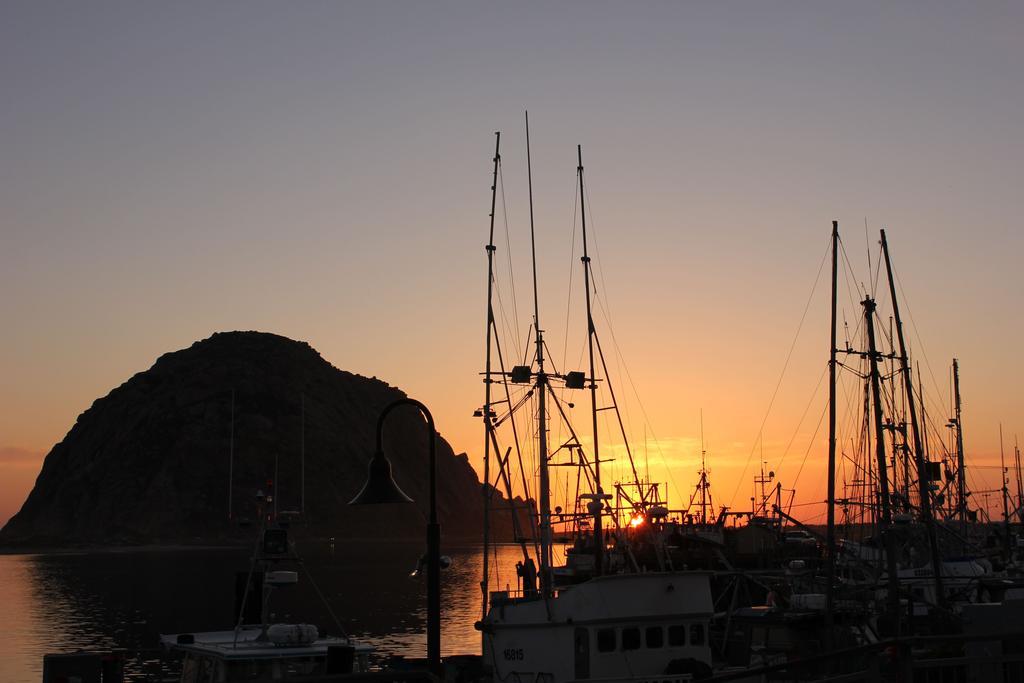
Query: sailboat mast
883,476
703,474
919,458
597,503
830,535
488,423
924,418
541,389
1020,482
1006,495
961,476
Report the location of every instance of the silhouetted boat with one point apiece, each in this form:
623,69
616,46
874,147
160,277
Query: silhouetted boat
611,623
263,650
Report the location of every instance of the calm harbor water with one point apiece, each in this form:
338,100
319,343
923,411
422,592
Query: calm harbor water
63,602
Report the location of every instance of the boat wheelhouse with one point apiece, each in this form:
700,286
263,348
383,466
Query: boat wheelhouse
622,627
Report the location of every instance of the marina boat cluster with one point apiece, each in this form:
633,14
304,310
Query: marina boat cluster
906,580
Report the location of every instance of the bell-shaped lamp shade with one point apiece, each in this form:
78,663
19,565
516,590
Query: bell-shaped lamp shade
380,487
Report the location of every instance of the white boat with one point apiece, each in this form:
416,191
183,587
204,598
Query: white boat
610,625
292,652
266,651
619,627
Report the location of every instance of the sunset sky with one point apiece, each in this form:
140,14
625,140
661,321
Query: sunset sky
322,171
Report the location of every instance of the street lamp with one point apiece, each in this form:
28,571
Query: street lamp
380,488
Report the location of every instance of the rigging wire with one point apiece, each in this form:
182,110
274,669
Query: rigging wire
508,251
620,358
800,422
785,366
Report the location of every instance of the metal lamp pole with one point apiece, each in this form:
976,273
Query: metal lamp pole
380,488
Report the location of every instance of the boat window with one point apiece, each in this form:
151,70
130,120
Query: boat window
697,634
630,639
606,640
676,636
655,637
305,666
248,670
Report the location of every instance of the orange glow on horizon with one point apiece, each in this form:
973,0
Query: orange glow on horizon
145,212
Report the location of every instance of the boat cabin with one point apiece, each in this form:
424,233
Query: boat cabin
283,655
640,628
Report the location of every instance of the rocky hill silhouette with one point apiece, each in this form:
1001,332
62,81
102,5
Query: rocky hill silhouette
149,462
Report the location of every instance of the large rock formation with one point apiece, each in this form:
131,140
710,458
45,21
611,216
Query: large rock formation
149,462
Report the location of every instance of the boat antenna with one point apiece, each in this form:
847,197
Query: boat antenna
487,413
541,387
867,250
923,479
597,503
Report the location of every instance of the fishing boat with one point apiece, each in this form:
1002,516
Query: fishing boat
611,622
617,627
257,649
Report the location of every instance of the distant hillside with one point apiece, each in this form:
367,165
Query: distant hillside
148,463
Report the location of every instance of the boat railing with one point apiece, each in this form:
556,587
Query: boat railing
506,597
153,666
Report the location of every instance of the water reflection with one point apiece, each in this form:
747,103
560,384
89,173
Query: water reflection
59,603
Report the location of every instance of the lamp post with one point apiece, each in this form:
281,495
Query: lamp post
380,488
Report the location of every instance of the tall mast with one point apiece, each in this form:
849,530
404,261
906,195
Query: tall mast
597,503
1006,495
541,389
830,535
924,419
488,423
883,476
703,474
919,456
961,476
1020,482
